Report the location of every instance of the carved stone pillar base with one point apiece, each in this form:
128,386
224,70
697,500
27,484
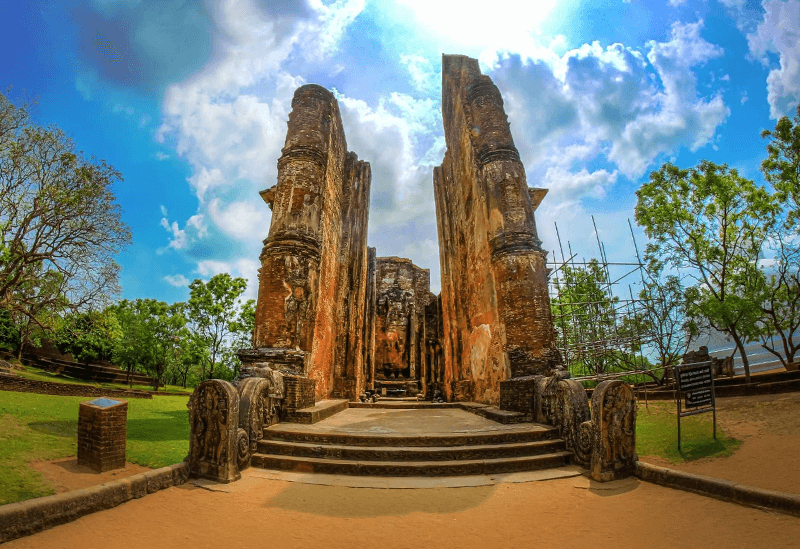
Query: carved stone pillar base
463,390
614,429
289,361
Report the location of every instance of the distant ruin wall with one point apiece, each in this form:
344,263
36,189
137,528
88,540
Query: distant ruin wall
312,281
402,295
496,314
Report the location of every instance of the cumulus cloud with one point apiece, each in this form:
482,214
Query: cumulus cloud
228,119
180,238
778,34
179,281
611,104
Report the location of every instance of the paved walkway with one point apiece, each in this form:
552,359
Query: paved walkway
378,421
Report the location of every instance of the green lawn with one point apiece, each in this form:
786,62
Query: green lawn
32,372
657,434
37,427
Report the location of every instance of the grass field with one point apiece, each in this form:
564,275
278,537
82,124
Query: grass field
37,427
657,435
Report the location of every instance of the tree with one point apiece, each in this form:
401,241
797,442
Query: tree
713,223
780,304
58,216
781,168
781,283
212,313
585,314
661,314
88,336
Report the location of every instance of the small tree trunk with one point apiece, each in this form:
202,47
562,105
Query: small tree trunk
742,353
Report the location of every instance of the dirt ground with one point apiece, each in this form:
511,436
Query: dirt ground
65,474
264,510
769,457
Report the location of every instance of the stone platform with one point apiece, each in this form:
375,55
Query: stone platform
410,442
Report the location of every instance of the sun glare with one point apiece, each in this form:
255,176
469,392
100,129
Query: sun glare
482,24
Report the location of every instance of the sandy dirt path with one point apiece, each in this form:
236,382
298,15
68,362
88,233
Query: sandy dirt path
568,513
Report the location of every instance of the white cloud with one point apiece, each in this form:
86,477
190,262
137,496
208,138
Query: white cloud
778,33
161,156
614,102
179,281
180,239
245,220
563,182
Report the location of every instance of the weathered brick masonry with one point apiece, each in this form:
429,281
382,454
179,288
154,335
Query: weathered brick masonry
101,435
495,306
313,277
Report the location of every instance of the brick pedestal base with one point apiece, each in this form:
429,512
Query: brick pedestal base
101,434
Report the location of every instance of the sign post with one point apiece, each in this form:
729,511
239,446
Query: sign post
695,384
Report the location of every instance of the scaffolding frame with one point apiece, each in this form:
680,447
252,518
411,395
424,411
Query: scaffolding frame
579,348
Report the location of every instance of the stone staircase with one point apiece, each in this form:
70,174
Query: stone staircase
299,448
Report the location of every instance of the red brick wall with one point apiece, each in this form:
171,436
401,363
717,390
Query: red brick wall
101,436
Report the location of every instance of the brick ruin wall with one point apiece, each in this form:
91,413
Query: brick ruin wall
313,276
495,307
401,325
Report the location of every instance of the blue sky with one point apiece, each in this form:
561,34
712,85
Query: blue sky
189,100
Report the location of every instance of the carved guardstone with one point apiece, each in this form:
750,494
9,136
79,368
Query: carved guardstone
259,407
215,438
614,429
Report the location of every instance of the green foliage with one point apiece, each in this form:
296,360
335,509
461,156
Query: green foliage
212,313
37,427
9,332
713,222
586,318
60,225
150,334
781,168
88,336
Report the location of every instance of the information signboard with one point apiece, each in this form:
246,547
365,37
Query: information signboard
695,385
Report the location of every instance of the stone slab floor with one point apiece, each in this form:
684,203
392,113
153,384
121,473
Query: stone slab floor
377,421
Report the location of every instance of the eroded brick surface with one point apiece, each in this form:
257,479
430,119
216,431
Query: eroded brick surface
496,315
313,276
101,435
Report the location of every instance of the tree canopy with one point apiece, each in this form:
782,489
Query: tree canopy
60,225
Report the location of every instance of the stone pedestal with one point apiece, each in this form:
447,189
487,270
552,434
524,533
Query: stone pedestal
101,433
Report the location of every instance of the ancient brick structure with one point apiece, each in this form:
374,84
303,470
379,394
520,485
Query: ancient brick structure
495,310
101,433
403,353
310,315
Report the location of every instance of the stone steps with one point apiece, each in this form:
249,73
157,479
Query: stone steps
410,453
411,468
291,433
300,448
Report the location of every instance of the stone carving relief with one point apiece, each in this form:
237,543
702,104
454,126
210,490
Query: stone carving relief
395,308
213,415
298,305
602,441
614,430
259,408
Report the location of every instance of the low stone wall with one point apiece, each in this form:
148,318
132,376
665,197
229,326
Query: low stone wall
22,385
34,515
726,490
